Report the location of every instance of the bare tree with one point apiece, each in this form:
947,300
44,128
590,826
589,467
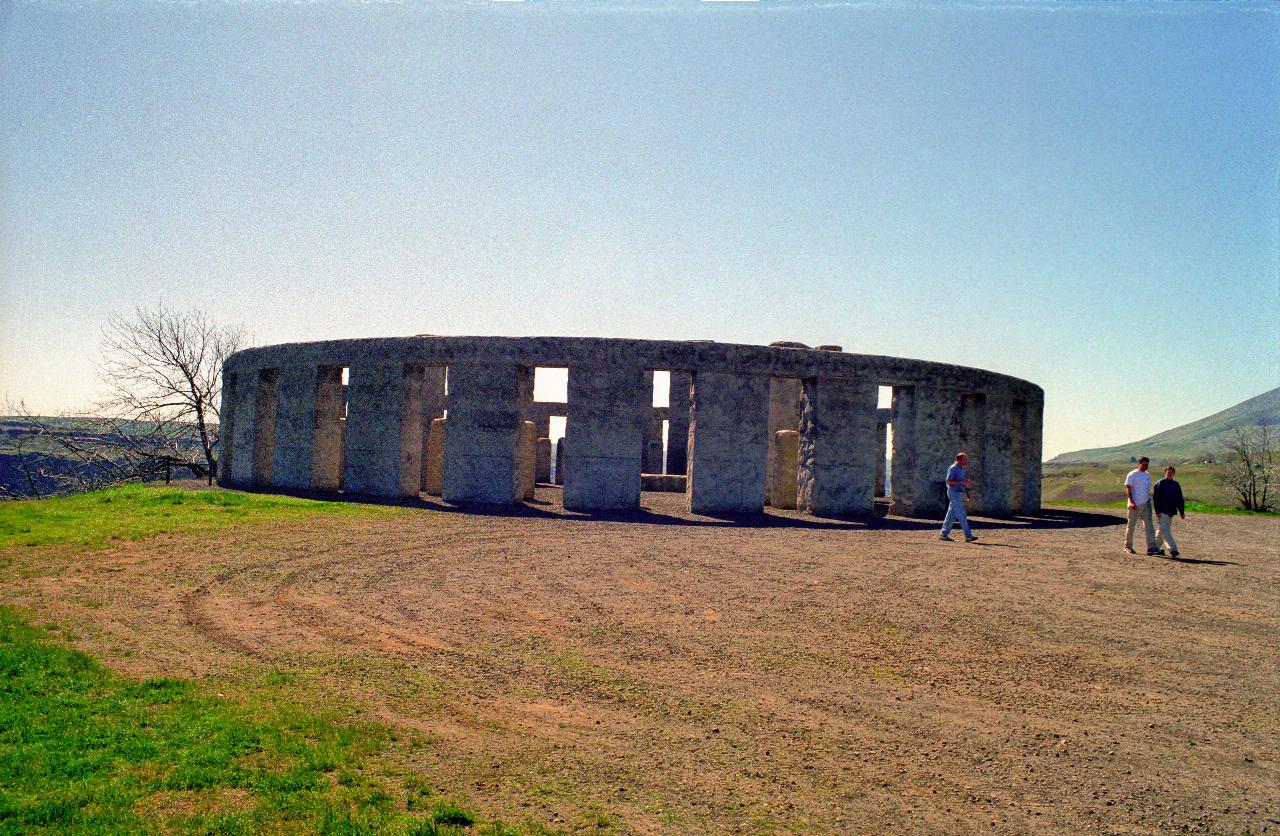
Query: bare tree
1253,467
163,370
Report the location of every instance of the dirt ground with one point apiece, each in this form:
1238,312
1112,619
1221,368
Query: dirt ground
661,672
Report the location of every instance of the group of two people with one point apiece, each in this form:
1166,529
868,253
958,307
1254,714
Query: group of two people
1165,496
1165,499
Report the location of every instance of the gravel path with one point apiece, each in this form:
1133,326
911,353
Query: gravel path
659,672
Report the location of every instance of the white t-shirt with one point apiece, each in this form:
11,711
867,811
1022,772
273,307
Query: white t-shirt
1140,481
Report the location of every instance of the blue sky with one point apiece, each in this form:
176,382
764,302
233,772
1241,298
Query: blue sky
1085,196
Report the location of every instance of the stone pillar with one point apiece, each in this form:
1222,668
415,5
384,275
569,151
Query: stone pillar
264,428
435,458
652,456
784,414
295,427
1032,453
973,430
227,428
678,423
728,443
608,415
881,453
383,433
784,479
560,461
837,468
543,456
433,406
483,439
995,469
926,438
330,419
528,460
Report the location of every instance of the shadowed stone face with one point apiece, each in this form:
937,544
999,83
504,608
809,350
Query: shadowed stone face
366,416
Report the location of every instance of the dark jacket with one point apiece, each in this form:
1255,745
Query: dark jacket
1168,497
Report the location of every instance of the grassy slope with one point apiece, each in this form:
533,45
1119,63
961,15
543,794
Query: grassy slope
1198,440
135,511
83,749
1099,484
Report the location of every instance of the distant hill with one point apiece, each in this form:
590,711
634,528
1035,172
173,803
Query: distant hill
1203,439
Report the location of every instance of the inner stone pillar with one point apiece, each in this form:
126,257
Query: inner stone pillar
560,461
926,438
264,427
785,469
383,433
326,443
729,443
784,414
881,452
434,465
295,427
528,460
837,468
433,406
678,423
482,440
543,455
608,416
996,465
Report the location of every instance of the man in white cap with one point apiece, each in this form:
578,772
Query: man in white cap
1137,485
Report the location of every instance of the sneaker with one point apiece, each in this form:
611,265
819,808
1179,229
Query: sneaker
1173,554
1129,550
1155,553
971,538
945,537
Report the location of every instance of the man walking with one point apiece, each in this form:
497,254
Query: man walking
1167,499
1138,487
958,483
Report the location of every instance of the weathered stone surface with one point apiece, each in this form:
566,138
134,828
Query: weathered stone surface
678,423
434,402
483,438
784,414
264,428
383,432
559,475
435,458
728,442
837,468
295,427
652,457
327,441
267,409
543,456
609,415
528,461
785,448
926,438
881,455
664,482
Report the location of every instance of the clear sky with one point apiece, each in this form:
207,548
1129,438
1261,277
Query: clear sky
1085,196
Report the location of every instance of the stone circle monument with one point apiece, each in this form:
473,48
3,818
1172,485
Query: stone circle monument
747,425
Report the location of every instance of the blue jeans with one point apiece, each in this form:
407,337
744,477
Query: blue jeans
956,514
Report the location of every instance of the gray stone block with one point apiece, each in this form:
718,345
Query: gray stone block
728,442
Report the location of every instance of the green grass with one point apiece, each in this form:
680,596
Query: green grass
132,512
1099,484
1192,507
84,750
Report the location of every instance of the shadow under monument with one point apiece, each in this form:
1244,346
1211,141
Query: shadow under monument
770,518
